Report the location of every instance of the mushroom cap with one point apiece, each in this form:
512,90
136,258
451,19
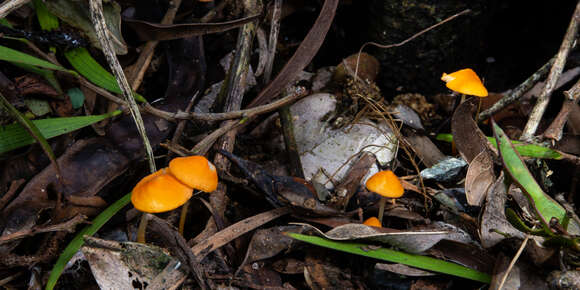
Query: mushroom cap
385,183
373,222
465,81
159,192
195,171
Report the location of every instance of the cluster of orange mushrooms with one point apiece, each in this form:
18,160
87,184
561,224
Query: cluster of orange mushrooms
171,187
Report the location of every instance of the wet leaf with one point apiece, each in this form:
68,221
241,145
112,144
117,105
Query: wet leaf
417,261
546,207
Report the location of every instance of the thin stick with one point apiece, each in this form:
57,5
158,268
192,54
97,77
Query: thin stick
10,6
518,92
96,8
274,29
555,130
294,96
408,39
544,98
513,262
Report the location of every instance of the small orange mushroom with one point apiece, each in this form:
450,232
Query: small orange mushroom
465,81
386,184
195,171
160,192
373,222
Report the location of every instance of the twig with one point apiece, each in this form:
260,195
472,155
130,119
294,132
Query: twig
518,92
274,29
513,262
7,197
68,226
384,46
544,98
555,130
10,6
96,8
294,96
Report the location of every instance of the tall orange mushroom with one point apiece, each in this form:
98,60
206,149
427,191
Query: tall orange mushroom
387,185
466,82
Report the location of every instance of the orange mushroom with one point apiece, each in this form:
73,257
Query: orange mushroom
160,192
465,81
195,171
373,222
387,185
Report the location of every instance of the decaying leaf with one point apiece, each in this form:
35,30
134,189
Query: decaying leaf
493,219
130,265
409,241
479,178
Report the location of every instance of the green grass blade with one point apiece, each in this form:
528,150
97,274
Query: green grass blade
11,55
46,19
30,130
545,206
417,261
86,65
527,150
15,135
78,241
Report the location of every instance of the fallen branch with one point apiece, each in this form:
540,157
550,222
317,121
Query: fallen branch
544,98
68,226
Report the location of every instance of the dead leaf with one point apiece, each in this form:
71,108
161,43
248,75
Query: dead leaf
128,265
479,178
493,218
409,241
469,139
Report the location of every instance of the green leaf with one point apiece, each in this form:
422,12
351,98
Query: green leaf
86,65
417,261
47,20
14,135
545,206
78,240
11,55
30,130
527,150
77,98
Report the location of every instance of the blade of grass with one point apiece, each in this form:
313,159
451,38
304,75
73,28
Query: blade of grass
417,261
545,206
527,150
11,55
15,135
78,240
87,66
32,131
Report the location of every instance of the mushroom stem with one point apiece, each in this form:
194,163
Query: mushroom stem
382,203
182,217
142,227
478,110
